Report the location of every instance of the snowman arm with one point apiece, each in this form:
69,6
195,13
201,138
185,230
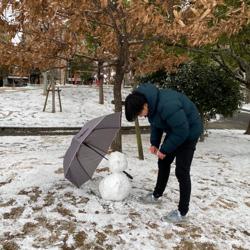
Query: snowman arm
128,175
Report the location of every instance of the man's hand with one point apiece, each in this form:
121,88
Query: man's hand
153,150
160,155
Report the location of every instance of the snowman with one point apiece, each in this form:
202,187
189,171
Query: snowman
116,186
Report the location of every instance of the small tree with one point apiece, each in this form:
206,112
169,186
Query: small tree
130,35
3,73
209,87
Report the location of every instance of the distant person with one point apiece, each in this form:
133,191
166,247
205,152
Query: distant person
175,114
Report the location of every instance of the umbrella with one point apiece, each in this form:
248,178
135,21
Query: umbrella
89,146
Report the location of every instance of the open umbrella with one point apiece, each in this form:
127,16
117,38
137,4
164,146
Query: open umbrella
89,146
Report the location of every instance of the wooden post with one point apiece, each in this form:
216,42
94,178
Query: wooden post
47,95
139,140
50,89
100,81
53,97
138,137
45,82
59,98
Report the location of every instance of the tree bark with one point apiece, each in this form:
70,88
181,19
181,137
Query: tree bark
119,76
204,121
100,80
45,83
248,129
120,70
248,95
53,95
247,72
117,143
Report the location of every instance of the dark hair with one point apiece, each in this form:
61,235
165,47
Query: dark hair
134,103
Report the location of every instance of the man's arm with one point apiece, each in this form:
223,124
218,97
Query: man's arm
155,136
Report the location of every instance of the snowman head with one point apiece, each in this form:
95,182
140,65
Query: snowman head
117,162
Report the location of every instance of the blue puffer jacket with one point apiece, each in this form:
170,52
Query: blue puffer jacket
171,112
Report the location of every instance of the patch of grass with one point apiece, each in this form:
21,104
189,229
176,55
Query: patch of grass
100,238
192,245
64,211
80,238
29,227
5,182
10,245
14,213
8,203
59,171
152,225
49,199
34,194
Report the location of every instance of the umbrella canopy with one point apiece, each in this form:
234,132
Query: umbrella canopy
89,146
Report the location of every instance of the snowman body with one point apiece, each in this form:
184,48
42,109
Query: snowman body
116,186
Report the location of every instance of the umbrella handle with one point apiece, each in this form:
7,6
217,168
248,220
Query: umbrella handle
128,175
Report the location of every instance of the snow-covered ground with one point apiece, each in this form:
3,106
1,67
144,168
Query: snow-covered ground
246,106
23,106
40,209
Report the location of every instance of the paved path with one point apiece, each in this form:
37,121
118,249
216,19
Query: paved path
238,121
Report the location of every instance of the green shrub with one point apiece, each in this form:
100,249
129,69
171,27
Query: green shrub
209,87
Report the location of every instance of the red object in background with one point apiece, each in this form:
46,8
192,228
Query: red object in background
97,82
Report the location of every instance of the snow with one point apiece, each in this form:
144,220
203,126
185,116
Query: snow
23,106
246,107
115,186
40,209
117,162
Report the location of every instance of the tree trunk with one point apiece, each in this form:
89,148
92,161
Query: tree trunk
45,83
126,80
109,75
100,80
205,123
120,70
117,143
248,96
53,96
247,72
248,129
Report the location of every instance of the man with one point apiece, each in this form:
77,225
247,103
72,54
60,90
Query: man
175,114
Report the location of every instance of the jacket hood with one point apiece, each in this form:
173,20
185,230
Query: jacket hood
151,93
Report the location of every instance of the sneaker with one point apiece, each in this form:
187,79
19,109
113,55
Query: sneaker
174,217
150,199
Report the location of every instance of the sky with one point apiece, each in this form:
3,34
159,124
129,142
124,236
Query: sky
40,209
10,17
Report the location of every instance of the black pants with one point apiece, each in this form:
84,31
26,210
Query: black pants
184,156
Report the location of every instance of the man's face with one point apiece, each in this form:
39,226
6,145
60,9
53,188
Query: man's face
144,112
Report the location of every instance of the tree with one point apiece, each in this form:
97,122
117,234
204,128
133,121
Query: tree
3,73
128,35
83,67
208,86
234,57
